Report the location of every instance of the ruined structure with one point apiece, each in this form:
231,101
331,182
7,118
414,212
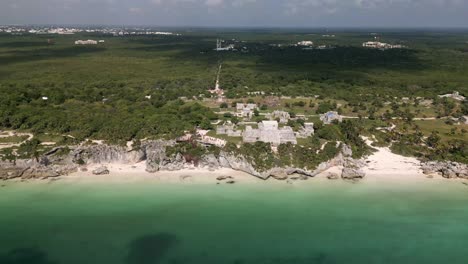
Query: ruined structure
246,110
329,117
306,131
228,129
269,132
455,95
281,115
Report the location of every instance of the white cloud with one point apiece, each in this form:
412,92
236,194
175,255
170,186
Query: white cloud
135,10
210,3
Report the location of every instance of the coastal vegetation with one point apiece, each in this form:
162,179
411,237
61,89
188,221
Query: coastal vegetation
156,87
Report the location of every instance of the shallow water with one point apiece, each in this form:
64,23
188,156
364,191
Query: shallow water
141,223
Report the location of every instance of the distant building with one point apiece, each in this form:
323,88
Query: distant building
269,132
45,98
219,46
329,117
455,95
86,42
324,47
305,43
380,45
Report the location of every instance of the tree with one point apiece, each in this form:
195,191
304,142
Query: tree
205,124
326,107
223,105
235,120
9,155
299,103
433,140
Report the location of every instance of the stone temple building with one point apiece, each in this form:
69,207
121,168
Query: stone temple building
329,117
228,129
269,132
307,131
281,115
245,110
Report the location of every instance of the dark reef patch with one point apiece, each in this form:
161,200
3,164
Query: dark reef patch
25,256
150,249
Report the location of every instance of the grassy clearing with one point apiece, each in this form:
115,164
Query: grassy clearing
445,130
13,139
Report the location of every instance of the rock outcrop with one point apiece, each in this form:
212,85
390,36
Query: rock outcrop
55,163
97,154
447,169
352,169
279,174
28,169
352,174
101,170
333,176
155,154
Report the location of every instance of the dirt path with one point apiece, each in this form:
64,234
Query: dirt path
7,134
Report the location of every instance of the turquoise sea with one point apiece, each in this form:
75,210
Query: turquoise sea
151,223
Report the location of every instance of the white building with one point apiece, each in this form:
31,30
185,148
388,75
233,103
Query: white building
455,95
86,42
219,46
380,45
306,43
207,140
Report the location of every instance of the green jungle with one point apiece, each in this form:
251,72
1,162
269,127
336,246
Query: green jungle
132,88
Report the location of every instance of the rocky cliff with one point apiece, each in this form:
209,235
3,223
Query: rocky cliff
153,153
447,169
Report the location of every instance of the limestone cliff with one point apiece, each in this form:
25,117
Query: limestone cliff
153,153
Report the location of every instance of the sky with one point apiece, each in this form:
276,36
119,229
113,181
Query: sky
239,13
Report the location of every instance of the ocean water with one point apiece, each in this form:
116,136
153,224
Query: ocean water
150,223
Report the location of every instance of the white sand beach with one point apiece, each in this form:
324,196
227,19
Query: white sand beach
122,173
382,167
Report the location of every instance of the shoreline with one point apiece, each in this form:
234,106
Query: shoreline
383,168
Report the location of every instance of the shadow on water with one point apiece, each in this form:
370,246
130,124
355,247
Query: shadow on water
150,249
26,256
